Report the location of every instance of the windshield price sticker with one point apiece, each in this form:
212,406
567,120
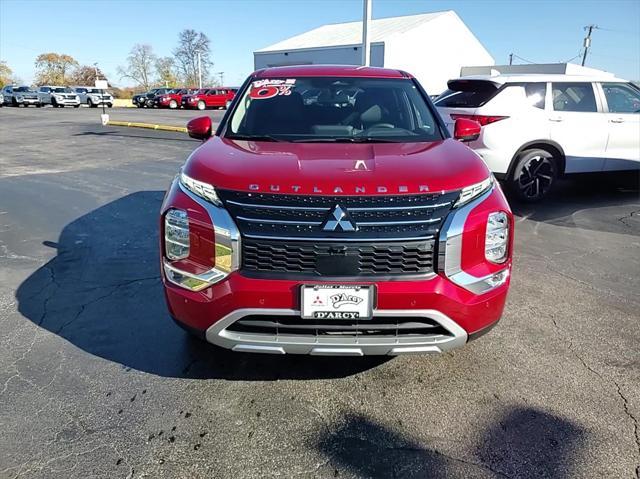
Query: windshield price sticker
263,89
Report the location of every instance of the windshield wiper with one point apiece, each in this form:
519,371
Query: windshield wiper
253,137
346,139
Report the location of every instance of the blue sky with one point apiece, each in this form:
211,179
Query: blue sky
104,31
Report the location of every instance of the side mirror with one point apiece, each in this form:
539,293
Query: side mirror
200,128
466,130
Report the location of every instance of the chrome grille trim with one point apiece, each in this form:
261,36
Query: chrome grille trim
276,207
279,222
302,217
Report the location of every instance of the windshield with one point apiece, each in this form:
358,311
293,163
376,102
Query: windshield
61,89
24,89
94,90
308,109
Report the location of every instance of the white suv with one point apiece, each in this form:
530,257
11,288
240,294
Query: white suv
538,127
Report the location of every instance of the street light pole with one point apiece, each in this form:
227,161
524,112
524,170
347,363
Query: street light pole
366,26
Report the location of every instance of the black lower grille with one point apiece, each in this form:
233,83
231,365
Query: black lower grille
282,325
337,259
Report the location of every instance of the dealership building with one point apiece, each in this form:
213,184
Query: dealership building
431,46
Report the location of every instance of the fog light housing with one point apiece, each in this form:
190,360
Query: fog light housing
496,244
176,234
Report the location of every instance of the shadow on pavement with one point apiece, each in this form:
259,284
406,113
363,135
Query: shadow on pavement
525,442
611,199
116,133
102,293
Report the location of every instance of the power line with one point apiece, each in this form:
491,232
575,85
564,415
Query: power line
523,59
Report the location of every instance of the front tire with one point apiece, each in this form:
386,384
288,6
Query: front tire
201,105
534,175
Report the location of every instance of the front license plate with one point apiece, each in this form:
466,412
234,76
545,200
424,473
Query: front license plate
337,302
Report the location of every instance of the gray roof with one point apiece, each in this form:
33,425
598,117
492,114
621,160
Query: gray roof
350,33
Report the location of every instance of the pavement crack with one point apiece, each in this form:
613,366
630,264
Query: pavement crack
624,219
625,403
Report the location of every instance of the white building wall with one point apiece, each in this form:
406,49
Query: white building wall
435,51
343,55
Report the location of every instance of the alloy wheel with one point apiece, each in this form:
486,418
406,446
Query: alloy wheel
536,177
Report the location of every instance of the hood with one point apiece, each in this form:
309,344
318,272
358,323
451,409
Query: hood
336,169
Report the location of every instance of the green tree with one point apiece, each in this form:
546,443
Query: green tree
54,68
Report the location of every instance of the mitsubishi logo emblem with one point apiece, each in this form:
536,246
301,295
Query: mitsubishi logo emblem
339,220
360,165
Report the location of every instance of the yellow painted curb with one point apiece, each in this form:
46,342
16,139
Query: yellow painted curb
150,126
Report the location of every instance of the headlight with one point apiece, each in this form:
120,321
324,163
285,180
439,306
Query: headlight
471,192
176,234
204,190
58,97
496,243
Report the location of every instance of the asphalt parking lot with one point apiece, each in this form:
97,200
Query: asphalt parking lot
97,381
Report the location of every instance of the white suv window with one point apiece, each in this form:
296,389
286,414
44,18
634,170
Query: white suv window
574,97
622,98
536,93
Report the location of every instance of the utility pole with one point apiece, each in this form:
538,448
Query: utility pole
366,26
587,41
95,65
510,59
221,74
199,70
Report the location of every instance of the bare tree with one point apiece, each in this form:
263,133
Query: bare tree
190,43
140,65
166,71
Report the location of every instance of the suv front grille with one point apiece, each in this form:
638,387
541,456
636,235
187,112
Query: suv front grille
285,235
378,218
401,327
329,259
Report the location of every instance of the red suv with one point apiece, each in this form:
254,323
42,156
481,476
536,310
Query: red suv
210,98
347,224
173,98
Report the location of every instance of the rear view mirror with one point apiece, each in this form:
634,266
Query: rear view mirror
200,128
466,130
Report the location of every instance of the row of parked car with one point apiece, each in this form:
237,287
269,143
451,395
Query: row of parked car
56,96
192,98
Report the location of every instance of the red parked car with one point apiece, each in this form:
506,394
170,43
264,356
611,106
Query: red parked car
219,97
173,98
350,225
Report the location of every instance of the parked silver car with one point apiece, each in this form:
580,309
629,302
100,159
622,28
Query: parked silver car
58,96
20,96
93,97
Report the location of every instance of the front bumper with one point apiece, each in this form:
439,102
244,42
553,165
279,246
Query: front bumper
67,102
458,300
28,101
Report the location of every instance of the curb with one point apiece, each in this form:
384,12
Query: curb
150,126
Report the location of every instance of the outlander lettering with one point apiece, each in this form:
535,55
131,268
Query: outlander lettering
332,213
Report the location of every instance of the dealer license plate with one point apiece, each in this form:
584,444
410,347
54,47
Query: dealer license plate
337,302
